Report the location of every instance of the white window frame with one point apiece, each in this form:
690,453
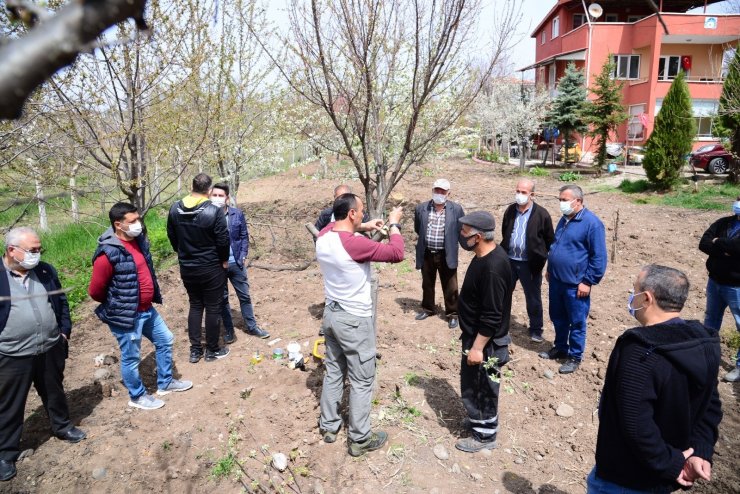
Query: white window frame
666,63
611,18
634,18
543,36
555,27
619,59
552,74
583,19
634,120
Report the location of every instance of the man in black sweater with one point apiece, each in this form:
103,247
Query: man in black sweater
660,409
721,242
484,308
527,236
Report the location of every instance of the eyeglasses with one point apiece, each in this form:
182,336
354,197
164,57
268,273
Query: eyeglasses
40,250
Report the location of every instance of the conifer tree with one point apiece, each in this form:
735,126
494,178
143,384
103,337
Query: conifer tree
567,113
605,113
671,139
729,113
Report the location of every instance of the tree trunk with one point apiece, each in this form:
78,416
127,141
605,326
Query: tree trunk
73,192
522,155
43,220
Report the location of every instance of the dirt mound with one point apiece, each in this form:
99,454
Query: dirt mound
240,413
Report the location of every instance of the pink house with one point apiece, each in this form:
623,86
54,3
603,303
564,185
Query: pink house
647,58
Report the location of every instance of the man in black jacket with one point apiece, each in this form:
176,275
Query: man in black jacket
660,410
436,224
527,236
34,330
198,233
722,242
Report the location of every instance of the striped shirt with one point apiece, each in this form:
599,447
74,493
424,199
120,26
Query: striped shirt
436,229
518,244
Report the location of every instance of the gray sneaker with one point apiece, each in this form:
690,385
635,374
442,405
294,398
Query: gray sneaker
146,402
733,376
258,332
375,441
175,386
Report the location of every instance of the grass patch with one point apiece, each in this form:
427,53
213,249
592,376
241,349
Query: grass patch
538,172
411,379
708,197
224,466
569,177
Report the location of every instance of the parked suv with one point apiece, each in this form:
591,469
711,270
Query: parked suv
713,158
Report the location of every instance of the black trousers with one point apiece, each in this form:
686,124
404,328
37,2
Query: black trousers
205,287
46,372
434,263
479,392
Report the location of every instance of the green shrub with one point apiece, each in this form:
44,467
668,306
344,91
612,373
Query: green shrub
629,187
538,172
569,177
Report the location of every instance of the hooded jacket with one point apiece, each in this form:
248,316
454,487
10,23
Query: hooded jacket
122,298
660,398
198,233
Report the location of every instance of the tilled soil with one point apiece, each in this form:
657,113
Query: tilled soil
245,412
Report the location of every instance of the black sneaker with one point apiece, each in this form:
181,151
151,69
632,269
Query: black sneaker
218,354
195,356
570,366
375,441
553,354
258,332
229,338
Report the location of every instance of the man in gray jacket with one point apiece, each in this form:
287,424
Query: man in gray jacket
435,222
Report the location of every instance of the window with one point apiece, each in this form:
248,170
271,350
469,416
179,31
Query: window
627,67
551,78
543,37
668,68
703,126
555,27
634,18
635,129
611,18
579,20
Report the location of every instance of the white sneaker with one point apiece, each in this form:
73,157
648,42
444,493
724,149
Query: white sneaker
146,402
733,376
175,386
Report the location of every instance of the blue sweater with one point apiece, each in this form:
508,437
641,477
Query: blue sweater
578,254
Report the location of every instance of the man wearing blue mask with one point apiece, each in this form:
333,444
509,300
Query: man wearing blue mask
721,242
660,410
576,262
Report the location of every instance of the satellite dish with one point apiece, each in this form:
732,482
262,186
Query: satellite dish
595,10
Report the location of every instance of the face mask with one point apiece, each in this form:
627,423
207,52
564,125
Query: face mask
521,199
219,201
736,207
464,242
134,229
566,207
439,198
30,261
633,310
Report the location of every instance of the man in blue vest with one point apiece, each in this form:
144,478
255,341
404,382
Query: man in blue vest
124,282
237,272
34,329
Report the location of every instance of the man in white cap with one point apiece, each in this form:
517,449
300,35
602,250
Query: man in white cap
436,224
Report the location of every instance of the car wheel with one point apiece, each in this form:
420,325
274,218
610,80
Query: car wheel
718,165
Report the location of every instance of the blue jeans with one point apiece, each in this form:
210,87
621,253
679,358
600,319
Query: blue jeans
597,485
532,287
240,282
568,314
719,297
149,324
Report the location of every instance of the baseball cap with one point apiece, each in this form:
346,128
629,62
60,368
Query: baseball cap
441,183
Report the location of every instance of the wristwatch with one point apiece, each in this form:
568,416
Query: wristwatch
397,225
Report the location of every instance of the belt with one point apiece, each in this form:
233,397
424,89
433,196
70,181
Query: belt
435,251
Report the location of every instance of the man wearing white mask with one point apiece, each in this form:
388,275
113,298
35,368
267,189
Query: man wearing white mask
237,271
34,329
124,282
721,242
576,262
527,236
435,222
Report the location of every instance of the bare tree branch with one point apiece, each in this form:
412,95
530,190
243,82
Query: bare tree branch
26,62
